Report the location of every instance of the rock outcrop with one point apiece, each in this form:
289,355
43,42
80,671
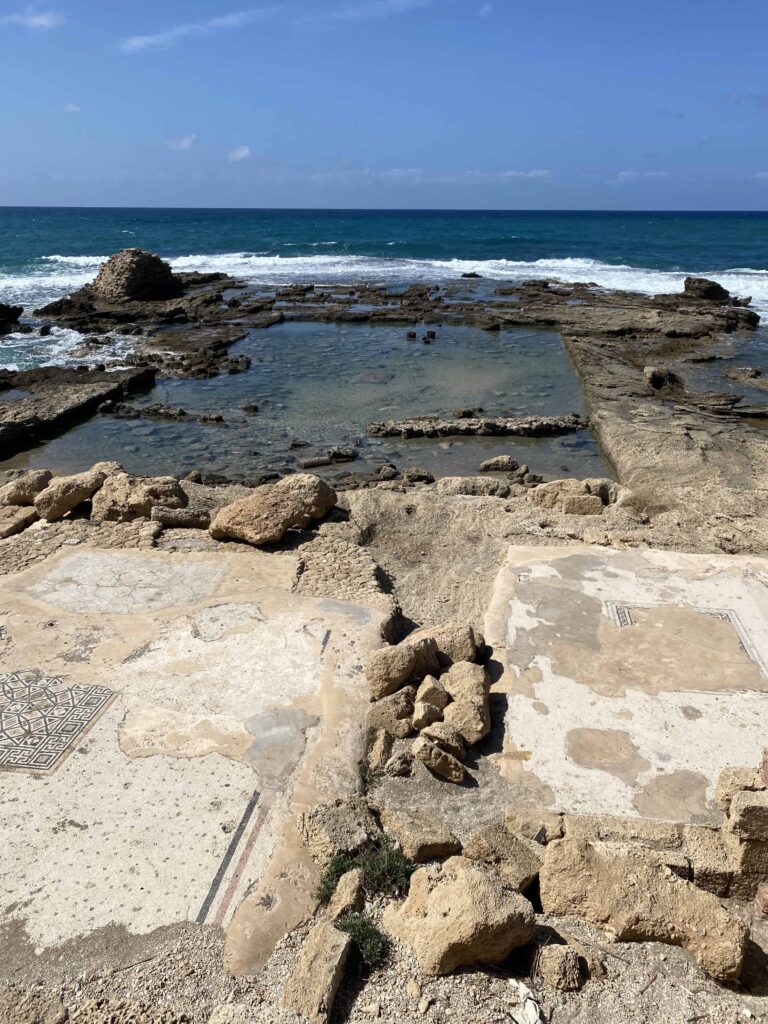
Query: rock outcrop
270,511
135,274
458,914
622,889
699,288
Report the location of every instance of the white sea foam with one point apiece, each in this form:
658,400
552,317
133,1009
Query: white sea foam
57,275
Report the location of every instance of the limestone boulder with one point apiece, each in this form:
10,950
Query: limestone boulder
311,989
390,667
380,746
438,760
582,505
425,714
517,859
499,464
748,815
64,493
638,900
559,968
422,836
465,681
458,914
393,713
341,827
265,516
135,274
349,895
123,498
732,780
470,718
432,691
447,738
455,641
15,519
24,489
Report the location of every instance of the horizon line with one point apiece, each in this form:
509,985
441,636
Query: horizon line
374,209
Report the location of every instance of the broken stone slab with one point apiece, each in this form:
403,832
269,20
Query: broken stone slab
748,815
640,901
123,498
517,860
15,519
64,493
311,989
492,426
559,968
393,713
425,714
390,667
465,681
446,737
348,896
181,518
342,827
432,691
24,489
711,867
265,516
380,744
437,760
455,642
532,823
458,914
422,836
733,780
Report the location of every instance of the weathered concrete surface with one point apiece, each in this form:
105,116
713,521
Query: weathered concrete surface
204,705
632,678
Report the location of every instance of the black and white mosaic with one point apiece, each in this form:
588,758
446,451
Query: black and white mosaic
42,717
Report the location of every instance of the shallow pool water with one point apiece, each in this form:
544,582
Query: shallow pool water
319,385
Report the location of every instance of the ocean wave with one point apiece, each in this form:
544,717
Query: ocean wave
57,275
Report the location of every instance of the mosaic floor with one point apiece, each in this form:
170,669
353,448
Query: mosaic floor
43,717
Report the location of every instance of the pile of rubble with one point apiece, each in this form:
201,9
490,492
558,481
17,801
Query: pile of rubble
430,683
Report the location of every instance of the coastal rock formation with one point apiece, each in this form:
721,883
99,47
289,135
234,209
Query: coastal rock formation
9,317
65,493
123,498
458,914
622,889
498,426
702,288
135,274
270,511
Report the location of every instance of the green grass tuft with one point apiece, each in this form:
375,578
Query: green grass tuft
369,942
386,872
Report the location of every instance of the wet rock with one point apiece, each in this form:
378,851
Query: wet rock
702,288
499,426
641,901
517,860
455,641
16,518
9,317
349,895
559,968
422,836
311,989
123,498
447,738
394,713
135,274
437,760
265,516
342,827
64,493
390,667
499,464
24,489
341,454
661,378
458,914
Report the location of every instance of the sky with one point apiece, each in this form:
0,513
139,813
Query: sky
469,104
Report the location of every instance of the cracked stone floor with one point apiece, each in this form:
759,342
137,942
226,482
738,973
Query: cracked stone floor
161,717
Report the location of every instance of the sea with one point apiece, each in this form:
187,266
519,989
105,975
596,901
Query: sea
48,252
318,385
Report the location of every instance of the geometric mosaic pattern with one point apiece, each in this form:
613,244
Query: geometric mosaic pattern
42,717
621,614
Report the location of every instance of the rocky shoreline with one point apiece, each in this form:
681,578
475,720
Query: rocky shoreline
540,888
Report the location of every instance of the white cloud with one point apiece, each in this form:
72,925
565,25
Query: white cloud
72,108
239,153
184,143
625,176
486,10
33,19
237,19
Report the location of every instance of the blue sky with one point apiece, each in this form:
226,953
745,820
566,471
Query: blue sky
386,103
